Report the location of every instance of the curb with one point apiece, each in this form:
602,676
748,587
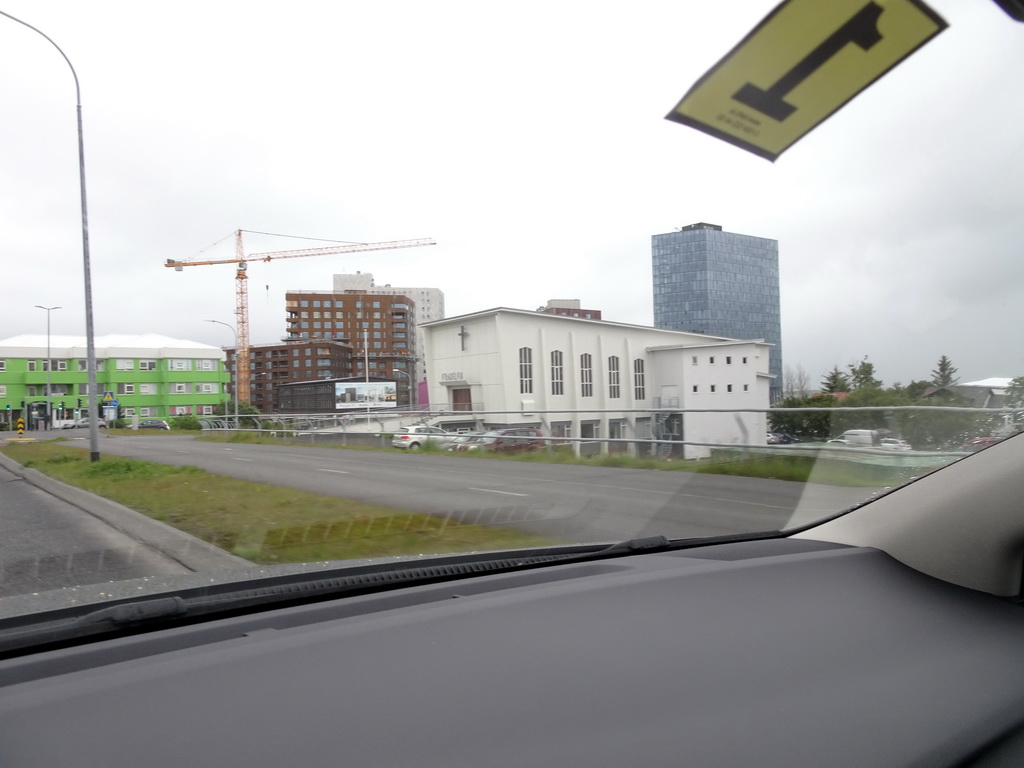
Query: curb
195,554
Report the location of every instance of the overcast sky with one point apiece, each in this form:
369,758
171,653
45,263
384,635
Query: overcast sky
529,140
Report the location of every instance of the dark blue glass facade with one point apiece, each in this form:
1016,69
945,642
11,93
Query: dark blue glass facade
719,283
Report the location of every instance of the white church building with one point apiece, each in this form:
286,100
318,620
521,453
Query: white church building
580,378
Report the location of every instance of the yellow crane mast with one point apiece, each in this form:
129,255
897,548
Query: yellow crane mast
242,287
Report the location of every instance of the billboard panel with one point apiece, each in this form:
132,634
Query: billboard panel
357,395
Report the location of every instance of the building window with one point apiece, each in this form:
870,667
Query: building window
3,390
744,361
711,360
147,365
693,360
525,371
3,365
586,375
206,365
746,387
125,365
207,388
695,389
147,389
712,389
728,387
126,389
31,365
32,390
179,364
639,382
181,410
180,388
129,412
147,412
206,410
557,373
613,377
728,360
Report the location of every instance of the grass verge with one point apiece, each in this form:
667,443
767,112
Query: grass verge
262,523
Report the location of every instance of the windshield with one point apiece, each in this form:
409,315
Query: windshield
331,248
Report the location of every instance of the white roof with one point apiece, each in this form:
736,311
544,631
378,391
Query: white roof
110,345
995,382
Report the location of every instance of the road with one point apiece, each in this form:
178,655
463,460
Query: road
47,543
565,502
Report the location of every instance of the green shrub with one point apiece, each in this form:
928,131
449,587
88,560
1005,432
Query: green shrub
186,422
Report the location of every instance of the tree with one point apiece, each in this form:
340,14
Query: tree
228,409
945,374
796,382
862,375
812,425
1015,393
835,381
915,390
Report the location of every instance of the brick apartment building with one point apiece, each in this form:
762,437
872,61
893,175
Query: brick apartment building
379,329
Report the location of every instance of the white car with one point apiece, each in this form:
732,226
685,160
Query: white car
894,444
414,438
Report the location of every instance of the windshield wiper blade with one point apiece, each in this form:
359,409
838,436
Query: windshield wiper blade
203,603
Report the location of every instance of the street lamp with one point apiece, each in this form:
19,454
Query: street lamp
49,367
235,387
90,341
409,377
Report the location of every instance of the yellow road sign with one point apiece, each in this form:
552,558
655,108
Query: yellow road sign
799,66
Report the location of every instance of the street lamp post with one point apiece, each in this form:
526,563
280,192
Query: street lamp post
235,387
409,377
90,341
49,368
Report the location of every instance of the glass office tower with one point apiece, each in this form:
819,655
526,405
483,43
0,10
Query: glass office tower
722,284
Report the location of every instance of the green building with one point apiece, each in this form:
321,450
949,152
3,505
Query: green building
147,375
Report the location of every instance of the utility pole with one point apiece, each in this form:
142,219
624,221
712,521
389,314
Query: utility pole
49,367
90,340
235,388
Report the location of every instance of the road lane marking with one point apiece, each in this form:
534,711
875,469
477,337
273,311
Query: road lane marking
336,471
504,493
239,458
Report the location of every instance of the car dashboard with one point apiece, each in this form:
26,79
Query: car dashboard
781,652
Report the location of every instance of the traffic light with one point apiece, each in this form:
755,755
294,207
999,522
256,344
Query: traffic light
61,403
79,402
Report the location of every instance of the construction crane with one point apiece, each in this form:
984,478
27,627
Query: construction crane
242,289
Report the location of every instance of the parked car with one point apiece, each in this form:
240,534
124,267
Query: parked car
978,443
862,438
781,438
507,440
894,444
465,437
153,424
414,438
84,424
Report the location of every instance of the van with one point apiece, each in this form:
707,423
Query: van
864,438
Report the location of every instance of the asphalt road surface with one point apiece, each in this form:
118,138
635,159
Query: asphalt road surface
46,543
564,502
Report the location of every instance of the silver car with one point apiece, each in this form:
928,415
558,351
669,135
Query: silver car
415,437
